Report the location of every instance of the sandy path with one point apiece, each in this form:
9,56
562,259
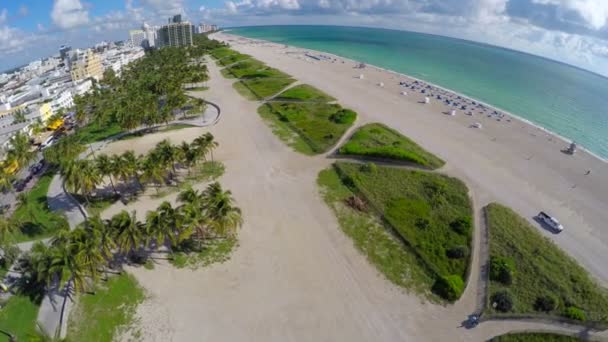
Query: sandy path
295,276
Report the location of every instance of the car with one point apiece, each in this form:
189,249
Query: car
550,221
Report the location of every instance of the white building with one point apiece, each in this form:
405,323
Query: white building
203,28
63,101
137,37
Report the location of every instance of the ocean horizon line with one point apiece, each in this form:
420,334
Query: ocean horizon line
484,44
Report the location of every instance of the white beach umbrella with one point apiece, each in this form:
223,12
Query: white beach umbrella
361,76
381,84
404,93
427,100
453,112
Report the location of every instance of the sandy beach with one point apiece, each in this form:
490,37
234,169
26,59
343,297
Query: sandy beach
295,275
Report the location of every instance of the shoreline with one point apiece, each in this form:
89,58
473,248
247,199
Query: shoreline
399,74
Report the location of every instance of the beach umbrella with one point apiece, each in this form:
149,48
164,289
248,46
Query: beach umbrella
427,100
404,93
361,76
453,112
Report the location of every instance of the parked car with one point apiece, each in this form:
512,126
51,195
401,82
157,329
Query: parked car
550,221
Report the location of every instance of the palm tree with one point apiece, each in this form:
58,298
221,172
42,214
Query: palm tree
128,231
20,149
88,177
103,231
119,168
162,224
106,168
65,265
87,250
7,227
153,171
6,183
167,154
131,166
224,217
211,143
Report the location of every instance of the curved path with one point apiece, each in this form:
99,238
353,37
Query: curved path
295,276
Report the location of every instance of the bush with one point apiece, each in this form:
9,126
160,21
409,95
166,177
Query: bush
502,301
575,313
11,253
502,269
457,252
462,225
344,116
449,287
545,303
369,167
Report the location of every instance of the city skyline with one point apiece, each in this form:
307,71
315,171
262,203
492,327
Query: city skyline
575,33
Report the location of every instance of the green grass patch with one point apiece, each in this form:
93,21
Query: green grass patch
244,91
222,52
373,238
252,68
206,172
430,213
198,89
265,87
378,141
34,219
282,130
226,73
96,131
103,315
534,337
319,125
193,256
18,317
538,277
304,92
231,59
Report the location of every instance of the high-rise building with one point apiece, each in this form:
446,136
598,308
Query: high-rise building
203,28
176,19
137,37
86,64
177,33
150,34
64,51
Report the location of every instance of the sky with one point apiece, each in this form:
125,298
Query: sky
570,31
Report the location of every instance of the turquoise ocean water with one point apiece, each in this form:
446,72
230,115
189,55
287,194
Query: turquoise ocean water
563,99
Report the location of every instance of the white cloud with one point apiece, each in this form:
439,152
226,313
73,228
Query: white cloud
68,14
594,12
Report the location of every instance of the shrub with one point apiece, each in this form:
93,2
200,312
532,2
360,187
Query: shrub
369,167
449,287
11,253
344,116
462,225
457,252
575,313
545,303
502,269
502,301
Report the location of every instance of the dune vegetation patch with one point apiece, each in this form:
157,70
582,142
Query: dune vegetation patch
428,214
378,141
530,275
319,125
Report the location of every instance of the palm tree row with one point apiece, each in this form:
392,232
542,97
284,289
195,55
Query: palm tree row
148,92
18,154
82,255
156,167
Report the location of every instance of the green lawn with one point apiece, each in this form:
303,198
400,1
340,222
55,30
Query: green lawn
543,278
304,92
252,68
534,337
18,317
379,141
430,213
371,236
262,88
95,131
319,125
222,52
101,316
33,217
231,59
283,130
244,91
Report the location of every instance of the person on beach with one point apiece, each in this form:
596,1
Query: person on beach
588,173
